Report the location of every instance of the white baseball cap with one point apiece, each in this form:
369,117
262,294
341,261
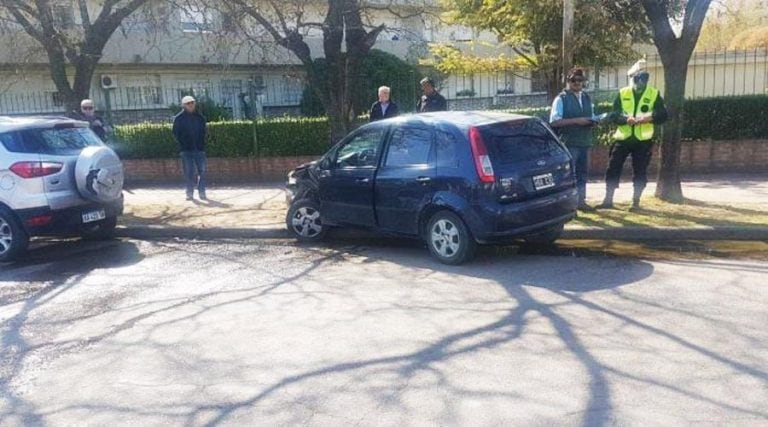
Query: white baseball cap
187,100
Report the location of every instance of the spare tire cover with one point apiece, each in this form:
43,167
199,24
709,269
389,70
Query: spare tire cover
99,174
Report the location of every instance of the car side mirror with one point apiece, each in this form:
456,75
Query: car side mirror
325,163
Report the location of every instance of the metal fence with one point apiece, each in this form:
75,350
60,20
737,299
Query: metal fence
724,73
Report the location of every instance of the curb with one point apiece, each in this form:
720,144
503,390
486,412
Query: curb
668,233
144,232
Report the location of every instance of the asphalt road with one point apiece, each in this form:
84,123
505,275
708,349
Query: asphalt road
269,333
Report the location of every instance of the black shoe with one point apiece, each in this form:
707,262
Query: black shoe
203,196
585,208
190,198
605,205
635,208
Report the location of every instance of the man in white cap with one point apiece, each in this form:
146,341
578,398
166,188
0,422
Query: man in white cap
189,130
638,111
87,113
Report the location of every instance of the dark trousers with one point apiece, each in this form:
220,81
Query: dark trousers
641,152
580,157
194,165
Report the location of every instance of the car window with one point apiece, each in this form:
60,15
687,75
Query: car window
361,151
445,149
63,141
12,142
409,147
518,141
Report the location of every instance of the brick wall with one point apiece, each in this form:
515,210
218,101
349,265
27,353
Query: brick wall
695,157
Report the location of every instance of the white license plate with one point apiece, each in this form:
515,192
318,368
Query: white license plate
94,216
541,182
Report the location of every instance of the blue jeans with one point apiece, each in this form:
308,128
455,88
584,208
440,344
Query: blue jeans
580,157
194,165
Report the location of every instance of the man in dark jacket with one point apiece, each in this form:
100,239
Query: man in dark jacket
431,100
572,117
87,113
189,130
384,108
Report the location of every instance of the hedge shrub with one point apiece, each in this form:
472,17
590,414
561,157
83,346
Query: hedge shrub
274,137
724,118
735,117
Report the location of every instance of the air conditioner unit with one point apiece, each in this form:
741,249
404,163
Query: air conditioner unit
108,82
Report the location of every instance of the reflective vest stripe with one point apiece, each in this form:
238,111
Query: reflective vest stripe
643,132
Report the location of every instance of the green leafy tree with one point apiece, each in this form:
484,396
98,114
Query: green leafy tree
378,69
754,38
605,31
729,25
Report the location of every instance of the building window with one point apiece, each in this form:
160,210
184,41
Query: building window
196,19
143,95
505,84
292,90
56,99
538,82
64,15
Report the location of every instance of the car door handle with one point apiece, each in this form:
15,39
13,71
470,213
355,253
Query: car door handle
362,180
424,179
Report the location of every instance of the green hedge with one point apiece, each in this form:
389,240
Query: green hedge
734,117
718,118
742,117
274,137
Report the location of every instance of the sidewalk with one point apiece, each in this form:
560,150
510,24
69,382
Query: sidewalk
737,207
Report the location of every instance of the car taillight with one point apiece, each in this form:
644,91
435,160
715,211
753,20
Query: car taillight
480,153
35,169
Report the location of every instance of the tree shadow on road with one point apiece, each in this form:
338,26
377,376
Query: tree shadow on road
46,280
532,286
519,276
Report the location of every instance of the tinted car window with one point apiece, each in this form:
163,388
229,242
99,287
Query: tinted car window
12,142
409,147
519,141
63,141
361,150
445,149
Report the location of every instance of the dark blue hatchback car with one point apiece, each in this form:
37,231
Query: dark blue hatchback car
454,179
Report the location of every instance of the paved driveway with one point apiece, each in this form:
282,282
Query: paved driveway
268,333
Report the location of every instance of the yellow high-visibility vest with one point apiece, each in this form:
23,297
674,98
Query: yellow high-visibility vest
643,132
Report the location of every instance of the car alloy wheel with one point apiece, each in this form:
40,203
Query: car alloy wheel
445,238
306,222
6,236
13,238
448,238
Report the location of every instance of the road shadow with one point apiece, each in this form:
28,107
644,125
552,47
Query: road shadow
49,270
515,271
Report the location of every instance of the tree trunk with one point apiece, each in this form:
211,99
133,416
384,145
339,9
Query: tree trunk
668,185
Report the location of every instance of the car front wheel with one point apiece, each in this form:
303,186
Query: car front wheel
13,239
449,239
305,222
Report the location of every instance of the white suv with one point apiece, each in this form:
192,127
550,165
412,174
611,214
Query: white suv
56,178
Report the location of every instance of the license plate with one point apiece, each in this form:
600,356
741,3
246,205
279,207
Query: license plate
94,216
540,182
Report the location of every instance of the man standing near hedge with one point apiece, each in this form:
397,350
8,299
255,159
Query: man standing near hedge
573,117
431,100
189,130
638,110
384,108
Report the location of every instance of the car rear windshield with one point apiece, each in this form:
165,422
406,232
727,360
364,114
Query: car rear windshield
519,141
57,141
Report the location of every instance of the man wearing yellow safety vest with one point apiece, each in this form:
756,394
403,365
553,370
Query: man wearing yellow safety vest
638,110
